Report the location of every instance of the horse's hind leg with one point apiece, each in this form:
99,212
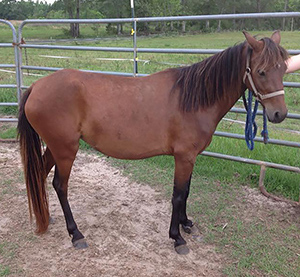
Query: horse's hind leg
60,184
49,160
49,163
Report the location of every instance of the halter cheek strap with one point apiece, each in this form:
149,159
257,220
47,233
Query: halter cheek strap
257,94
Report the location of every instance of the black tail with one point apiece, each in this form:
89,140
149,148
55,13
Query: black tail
34,168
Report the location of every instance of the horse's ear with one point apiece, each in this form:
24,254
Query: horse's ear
255,44
276,37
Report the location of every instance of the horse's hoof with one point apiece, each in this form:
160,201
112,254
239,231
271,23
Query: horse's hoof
182,249
80,244
187,229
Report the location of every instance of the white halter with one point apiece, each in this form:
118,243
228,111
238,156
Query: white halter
258,95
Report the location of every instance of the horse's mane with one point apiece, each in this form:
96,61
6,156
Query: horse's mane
204,83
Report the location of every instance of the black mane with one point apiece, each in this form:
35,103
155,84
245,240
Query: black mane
204,83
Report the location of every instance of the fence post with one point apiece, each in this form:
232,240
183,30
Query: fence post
20,42
135,66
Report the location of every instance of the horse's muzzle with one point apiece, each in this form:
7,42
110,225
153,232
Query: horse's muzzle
277,116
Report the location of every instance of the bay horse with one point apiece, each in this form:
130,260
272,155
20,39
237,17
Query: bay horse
172,112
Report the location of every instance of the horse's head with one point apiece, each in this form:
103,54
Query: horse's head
265,68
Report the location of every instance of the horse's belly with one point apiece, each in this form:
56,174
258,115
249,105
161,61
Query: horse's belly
128,144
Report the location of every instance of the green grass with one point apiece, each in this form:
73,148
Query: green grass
4,270
258,249
8,132
58,31
7,254
251,245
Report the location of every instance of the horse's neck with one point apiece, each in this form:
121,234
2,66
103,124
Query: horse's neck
224,105
228,101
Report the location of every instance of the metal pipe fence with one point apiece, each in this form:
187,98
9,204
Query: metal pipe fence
18,45
15,47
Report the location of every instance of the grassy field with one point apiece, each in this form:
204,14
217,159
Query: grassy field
253,248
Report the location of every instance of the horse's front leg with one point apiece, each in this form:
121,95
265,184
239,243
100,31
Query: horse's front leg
186,223
182,179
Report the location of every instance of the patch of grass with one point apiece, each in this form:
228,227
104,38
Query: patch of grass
8,97
7,250
8,132
8,183
156,171
254,248
4,270
261,249
84,146
7,254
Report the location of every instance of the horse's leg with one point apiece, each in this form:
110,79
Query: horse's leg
186,223
49,163
60,184
183,171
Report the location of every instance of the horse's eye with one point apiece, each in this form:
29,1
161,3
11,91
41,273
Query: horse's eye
261,72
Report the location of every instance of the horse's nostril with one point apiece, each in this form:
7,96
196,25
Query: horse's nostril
277,116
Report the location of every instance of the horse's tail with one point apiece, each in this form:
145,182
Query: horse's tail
34,168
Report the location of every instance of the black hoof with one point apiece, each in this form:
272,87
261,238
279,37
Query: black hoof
80,244
182,249
187,229
188,226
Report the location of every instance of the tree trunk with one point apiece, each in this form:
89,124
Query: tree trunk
234,20
219,26
183,26
207,25
74,27
285,9
172,26
119,28
77,32
258,9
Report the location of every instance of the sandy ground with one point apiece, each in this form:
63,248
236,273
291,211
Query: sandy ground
126,226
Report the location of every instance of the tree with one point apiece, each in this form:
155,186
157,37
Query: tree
115,9
9,9
72,7
148,8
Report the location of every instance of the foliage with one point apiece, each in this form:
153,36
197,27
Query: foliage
20,10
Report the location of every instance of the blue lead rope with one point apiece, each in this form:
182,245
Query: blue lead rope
264,133
251,126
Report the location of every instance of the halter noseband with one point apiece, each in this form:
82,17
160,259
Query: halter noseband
257,95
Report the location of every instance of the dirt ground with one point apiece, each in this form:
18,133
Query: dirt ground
126,226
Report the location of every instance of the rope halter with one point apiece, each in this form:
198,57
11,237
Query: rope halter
257,94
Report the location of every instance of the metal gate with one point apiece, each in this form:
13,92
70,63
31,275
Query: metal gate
17,85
